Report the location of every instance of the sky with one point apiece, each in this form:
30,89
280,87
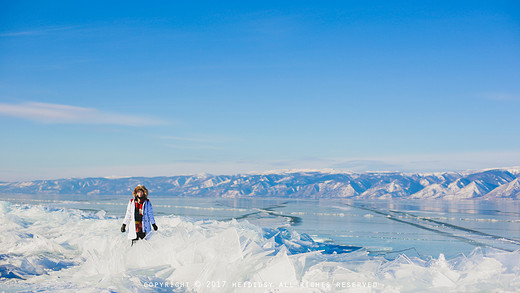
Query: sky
163,88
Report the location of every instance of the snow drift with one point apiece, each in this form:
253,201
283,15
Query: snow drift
49,249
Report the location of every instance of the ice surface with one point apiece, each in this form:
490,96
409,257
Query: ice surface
52,249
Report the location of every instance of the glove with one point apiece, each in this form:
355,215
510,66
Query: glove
154,227
123,228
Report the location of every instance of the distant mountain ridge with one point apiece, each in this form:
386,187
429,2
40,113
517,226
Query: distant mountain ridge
482,184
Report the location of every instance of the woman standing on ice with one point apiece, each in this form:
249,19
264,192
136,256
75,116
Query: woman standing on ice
139,215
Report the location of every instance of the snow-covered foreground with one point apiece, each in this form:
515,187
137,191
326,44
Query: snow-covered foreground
53,249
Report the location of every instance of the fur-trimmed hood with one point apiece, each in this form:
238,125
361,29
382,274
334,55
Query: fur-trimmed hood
140,187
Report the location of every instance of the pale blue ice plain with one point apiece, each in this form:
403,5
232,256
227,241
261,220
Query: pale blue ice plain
74,244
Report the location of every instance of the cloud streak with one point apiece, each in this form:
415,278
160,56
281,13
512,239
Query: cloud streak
501,97
66,114
36,31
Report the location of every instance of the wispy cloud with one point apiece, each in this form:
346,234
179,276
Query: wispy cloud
188,139
66,114
36,31
501,97
192,143
441,162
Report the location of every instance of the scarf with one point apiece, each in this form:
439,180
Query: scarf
138,215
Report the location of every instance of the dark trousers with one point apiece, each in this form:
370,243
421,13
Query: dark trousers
140,235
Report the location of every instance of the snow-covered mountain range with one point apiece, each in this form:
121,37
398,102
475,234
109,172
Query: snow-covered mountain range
482,184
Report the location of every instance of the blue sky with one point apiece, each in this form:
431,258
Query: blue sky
165,88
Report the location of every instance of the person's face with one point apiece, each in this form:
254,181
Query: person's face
140,193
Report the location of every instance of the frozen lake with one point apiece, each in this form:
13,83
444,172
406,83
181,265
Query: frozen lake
403,245
407,226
